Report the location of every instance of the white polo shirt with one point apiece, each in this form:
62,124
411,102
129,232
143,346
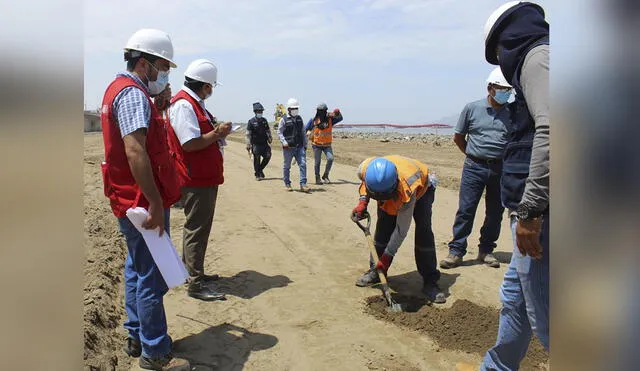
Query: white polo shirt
183,118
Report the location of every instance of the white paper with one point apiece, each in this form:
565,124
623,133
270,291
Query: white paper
236,127
161,248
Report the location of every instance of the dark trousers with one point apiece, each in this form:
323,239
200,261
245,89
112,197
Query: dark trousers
476,177
425,244
261,157
199,208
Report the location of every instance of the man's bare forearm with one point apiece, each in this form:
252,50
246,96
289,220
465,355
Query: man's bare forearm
202,142
461,142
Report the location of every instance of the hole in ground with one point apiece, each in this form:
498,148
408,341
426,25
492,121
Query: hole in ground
465,326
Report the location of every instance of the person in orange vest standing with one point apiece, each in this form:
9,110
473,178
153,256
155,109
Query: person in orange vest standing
139,172
199,141
404,190
320,130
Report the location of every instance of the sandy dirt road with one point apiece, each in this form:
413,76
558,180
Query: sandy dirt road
288,261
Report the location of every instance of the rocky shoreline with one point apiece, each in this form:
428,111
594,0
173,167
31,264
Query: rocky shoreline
394,137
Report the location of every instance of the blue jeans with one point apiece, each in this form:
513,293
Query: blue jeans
301,159
144,289
317,156
525,306
475,178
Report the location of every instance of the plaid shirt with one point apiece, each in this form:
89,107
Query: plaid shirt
131,107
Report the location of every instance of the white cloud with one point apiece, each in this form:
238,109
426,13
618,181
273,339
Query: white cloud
415,43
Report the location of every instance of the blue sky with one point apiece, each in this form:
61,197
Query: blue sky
400,61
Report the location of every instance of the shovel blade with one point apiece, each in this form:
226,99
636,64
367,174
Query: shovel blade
392,305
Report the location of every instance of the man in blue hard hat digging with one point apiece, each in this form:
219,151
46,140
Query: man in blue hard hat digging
404,190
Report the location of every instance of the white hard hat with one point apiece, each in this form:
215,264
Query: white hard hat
497,78
154,42
493,21
293,103
203,70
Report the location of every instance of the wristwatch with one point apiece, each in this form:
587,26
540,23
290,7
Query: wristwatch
527,212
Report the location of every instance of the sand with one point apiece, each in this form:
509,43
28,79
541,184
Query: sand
288,262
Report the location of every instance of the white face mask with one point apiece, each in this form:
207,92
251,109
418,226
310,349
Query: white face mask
155,87
208,95
294,112
259,115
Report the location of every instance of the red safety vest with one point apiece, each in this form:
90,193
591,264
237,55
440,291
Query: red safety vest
205,167
119,184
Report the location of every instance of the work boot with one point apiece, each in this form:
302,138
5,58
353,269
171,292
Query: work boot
433,293
368,279
287,187
325,178
202,292
451,261
489,259
210,277
166,363
304,188
133,348
318,180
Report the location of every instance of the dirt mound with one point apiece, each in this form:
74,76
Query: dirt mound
465,326
103,287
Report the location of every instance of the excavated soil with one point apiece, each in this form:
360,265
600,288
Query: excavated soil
103,288
465,326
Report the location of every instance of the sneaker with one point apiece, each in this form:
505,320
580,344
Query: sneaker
369,278
489,259
258,178
133,348
166,363
304,188
325,178
318,180
451,261
288,188
262,175
433,293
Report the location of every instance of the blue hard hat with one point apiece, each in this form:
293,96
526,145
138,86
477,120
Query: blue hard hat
381,175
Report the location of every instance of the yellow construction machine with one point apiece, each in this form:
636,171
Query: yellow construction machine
281,111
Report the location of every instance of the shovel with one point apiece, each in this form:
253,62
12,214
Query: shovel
393,306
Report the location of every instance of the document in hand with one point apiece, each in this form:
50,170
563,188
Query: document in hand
161,248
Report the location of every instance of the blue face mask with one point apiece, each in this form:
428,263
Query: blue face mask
502,96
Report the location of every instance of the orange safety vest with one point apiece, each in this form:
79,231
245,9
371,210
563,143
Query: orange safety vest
322,137
413,179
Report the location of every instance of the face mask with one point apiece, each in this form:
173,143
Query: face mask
502,96
259,115
209,94
155,87
294,112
